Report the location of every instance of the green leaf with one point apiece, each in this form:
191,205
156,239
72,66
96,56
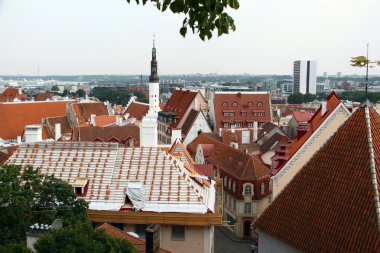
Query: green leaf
165,4
183,31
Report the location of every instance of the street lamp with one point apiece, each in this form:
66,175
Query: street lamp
362,61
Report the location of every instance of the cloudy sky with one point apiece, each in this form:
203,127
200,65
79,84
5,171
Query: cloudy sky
112,37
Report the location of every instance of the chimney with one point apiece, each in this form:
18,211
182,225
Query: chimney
19,91
279,113
176,134
57,131
33,133
92,122
18,139
254,131
119,120
323,107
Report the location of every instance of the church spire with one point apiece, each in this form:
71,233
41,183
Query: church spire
153,78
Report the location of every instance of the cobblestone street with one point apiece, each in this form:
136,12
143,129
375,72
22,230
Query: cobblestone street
229,244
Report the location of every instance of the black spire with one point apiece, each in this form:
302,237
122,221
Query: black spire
153,78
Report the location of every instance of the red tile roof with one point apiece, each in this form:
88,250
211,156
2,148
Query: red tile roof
14,116
178,103
316,120
138,243
205,169
302,116
236,162
84,111
43,96
104,120
330,205
239,102
117,133
50,125
10,94
137,110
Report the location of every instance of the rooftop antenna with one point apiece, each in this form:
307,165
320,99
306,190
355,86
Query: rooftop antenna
38,71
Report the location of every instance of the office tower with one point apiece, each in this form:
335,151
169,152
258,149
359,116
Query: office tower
305,77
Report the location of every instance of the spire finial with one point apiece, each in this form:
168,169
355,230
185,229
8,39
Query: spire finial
154,40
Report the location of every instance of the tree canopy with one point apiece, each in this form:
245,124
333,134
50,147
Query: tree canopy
81,237
201,16
30,197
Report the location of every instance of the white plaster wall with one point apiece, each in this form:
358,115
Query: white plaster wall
269,244
199,124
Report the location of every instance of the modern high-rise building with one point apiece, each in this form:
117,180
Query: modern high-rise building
305,77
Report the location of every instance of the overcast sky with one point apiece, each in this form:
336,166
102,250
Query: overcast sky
112,37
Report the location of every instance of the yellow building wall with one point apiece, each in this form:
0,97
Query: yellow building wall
279,182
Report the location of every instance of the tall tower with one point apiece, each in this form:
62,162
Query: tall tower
148,128
305,77
154,85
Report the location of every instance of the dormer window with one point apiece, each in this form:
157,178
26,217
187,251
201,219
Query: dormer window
234,104
225,104
250,104
79,185
244,114
248,190
259,104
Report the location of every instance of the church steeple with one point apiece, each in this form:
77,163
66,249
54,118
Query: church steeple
153,78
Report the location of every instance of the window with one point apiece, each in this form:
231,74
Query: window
250,124
259,104
247,208
178,232
233,186
239,124
228,114
248,190
225,104
229,184
234,104
140,230
225,125
250,104
244,114
262,188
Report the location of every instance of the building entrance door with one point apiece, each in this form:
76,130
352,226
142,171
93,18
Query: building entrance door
247,228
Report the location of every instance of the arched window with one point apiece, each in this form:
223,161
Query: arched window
229,184
259,104
248,190
234,186
234,104
225,104
262,188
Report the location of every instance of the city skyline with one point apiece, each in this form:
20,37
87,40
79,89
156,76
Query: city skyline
96,37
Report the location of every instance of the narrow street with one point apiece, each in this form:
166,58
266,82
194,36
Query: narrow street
229,244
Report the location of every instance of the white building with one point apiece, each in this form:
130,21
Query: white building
305,77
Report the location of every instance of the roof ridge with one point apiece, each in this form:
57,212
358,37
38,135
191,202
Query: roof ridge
372,165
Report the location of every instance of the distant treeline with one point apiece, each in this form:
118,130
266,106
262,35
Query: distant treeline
355,96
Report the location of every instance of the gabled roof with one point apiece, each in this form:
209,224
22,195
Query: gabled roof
167,183
332,204
302,116
50,125
43,96
232,160
273,142
15,116
121,133
84,111
10,94
314,123
189,122
238,102
137,110
178,103
138,243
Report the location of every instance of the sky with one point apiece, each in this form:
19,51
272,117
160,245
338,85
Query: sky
71,37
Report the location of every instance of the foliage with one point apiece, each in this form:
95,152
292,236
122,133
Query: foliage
119,97
359,96
299,98
201,17
81,237
55,88
80,93
15,248
31,197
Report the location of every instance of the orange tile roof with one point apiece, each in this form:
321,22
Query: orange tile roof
103,120
137,110
316,120
248,103
331,204
14,116
236,162
302,116
178,103
50,125
108,133
84,111
43,96
138,243
10,94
